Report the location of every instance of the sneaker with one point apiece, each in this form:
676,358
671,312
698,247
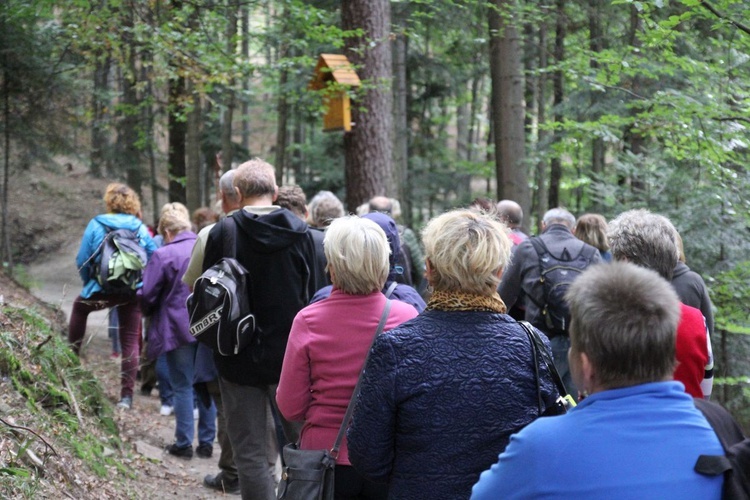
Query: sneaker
218,482
177,451
166,410
125,403
204,450
195,414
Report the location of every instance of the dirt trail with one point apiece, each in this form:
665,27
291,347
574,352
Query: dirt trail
56,281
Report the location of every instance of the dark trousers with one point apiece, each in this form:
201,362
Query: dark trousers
226,459
129,314
350,485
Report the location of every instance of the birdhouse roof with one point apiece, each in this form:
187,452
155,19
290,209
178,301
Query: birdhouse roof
336,68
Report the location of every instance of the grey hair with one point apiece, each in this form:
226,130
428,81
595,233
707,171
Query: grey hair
325,207
226,186
646,239
466,250
624,318
357,252
559,216
255,178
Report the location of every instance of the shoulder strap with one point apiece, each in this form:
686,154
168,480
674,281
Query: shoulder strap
229,237
540,248
390,290
539,350
350,407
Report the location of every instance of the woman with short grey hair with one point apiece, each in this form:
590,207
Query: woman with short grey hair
329,340
442,394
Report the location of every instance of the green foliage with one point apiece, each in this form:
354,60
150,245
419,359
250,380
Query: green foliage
61,397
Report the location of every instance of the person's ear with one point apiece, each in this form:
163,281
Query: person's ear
275,192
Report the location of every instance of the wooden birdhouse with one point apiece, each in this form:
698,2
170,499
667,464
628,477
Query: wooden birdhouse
335,68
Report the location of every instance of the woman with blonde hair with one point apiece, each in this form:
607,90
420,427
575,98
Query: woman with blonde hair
442,394
163,298
123,212
330,339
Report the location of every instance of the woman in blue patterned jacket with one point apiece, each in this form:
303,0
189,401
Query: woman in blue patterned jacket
442,393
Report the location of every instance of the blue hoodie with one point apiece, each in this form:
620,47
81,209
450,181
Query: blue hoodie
93,237
403,293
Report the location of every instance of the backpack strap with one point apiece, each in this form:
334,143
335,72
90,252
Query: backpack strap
540,248
229,237
390,290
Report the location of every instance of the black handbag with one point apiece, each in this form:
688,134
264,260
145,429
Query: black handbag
309,474
565,401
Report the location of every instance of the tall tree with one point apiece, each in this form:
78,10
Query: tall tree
368,147
558,83
508,106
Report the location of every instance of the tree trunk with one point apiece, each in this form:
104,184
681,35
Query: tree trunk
177,128
128,157
543,135
245,19
281,124
596,45
400,123
99,104
508,107
368,147
229,94
6,254
555,173
193,172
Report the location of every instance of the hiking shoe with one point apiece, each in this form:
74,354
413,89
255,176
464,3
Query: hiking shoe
204,450
166,410
218,482
125,403
179,451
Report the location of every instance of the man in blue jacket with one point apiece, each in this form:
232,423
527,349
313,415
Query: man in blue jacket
637,434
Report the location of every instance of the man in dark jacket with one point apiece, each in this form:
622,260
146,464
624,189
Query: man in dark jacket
278,251
524,273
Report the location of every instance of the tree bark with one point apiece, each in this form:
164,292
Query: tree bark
400,123
227,150
100,102
543,134
508,106
177,128
369,147
596,45
555,173
128,157
245,19
193,149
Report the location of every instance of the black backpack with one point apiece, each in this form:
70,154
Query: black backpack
118,263
556,274
734,465
220,306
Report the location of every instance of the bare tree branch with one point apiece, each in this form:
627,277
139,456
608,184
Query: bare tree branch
718,14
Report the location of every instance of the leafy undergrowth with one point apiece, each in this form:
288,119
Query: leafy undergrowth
58,434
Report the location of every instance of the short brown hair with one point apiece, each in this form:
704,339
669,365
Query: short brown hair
624,317
120,199
293,198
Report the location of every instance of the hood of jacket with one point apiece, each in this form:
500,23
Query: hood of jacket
119,221
388,225
270,232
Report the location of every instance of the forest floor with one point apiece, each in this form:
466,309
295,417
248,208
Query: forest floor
49,209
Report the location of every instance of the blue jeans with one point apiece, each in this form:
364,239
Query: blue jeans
560,346
181,363
165,385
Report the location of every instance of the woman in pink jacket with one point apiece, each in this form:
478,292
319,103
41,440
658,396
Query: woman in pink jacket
330,339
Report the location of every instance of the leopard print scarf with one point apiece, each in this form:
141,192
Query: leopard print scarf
464,301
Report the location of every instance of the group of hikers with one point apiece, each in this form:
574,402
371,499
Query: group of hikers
457,354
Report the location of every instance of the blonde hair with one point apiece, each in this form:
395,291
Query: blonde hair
357,252
176,206
592,229
120,199
174,220
466,251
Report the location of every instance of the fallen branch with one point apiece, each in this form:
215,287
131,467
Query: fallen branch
39,346
13,426
73,400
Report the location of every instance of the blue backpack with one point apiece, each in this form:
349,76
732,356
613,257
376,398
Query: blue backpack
118,263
